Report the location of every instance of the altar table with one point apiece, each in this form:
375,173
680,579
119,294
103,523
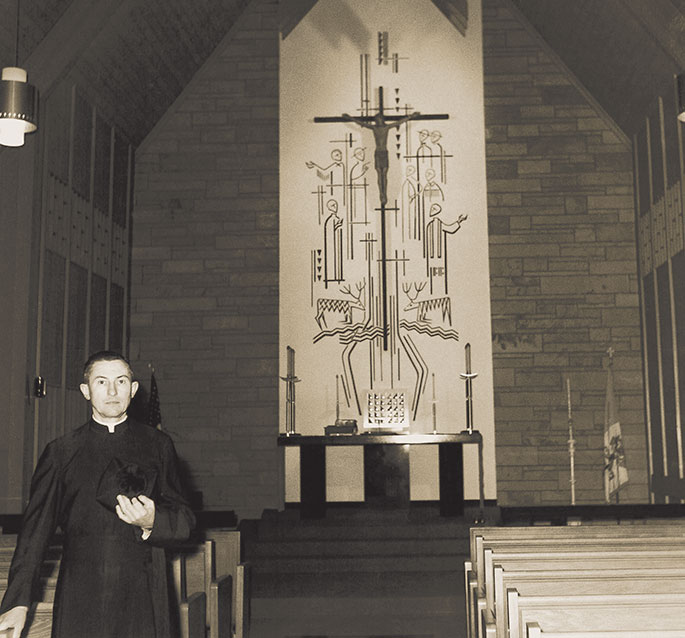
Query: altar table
450,454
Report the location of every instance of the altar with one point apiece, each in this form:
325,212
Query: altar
450,451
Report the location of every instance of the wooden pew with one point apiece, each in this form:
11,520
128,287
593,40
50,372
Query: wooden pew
571,551
580,582
607,612
39,620
482,537
551,561
194,569
193,617
535,631
221,607
242,608
227,554
479,595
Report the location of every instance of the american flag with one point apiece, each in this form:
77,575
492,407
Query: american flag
154,413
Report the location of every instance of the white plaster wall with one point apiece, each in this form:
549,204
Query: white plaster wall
440,71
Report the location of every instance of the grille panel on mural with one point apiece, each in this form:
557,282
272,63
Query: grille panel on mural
385,411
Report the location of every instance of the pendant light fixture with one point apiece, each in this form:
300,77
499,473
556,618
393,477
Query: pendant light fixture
18,101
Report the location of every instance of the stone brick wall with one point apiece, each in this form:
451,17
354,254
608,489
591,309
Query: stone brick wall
563,272
204,306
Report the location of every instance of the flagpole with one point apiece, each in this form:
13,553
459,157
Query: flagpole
571,443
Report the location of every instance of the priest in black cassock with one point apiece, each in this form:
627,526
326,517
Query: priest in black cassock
112,487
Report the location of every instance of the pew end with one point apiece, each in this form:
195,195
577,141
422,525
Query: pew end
221,607
193,616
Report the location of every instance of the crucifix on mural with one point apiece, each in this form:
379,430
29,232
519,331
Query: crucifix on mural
380,124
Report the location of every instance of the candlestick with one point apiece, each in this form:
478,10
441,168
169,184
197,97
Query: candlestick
468,377
435,420
290,381
337,399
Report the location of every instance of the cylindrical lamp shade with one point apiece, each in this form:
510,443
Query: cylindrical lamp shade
18,107
681,97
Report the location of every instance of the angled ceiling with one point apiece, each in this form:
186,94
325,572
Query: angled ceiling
624,52
140,54
136,54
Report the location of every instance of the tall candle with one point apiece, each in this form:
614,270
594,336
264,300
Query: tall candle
568,396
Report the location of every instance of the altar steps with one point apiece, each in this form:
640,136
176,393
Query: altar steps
358,572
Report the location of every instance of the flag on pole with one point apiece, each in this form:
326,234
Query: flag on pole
154,413
615,469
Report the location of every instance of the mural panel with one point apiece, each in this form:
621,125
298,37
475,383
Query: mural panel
384,269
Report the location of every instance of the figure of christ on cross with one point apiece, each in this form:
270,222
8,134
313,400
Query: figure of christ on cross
380,127
380,124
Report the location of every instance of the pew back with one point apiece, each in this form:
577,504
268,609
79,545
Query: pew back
608,612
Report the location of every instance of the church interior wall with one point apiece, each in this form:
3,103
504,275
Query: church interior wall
204,289
564,272
562,259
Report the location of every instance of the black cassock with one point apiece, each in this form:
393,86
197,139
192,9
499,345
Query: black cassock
112,583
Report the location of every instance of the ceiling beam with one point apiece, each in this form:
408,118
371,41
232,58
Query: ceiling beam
291,12
664,21
61,48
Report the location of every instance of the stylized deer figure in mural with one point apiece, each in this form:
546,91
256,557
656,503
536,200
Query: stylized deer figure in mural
435,310
341,308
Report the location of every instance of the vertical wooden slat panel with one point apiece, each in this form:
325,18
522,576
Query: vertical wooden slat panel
116,313
92,120
110,246
83,138
651,349
659,255
127,235
76,328
667,113
98,309
67,281
644,262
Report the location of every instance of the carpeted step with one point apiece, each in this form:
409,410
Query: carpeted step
323,548
351,584
397,616
353,563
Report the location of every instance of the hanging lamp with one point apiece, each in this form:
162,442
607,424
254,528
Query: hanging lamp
18,102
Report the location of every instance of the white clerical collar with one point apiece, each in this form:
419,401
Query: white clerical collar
111,426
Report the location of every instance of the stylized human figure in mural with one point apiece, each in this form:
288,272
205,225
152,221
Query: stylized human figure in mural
333,244
380,128
410,202
439,152
435,233
431,189
357,172
424,150
327,173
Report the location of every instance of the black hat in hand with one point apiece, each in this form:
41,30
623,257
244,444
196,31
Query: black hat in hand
129,479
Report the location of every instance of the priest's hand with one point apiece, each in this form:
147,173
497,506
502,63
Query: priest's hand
139,510
14,619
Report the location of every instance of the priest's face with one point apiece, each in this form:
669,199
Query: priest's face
109,390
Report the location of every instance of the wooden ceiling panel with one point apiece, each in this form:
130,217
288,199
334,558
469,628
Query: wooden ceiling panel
623,51
620,60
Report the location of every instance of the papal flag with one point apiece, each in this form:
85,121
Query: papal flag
615,469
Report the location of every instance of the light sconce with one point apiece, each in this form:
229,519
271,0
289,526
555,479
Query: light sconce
18,102
681,97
